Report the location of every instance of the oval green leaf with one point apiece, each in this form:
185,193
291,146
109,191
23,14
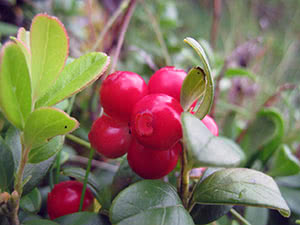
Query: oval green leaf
32,202
240,186
239,72
208,97
7,167
193,87
149,202
49,50
15,87
40,222
205,149
46,151
45,123
86,218
76,76
284,163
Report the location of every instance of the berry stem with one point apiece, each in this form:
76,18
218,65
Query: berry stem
88,169
239,217
78,140
184,185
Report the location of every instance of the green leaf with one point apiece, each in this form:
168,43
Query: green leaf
32,202
257,216
15,87
76,76
47,150
292,196
208,98
205,149
149,202
35,173
239,72
284,163
193,87
123,178
45,123
40,222
80,218
12,139
240,186
49,49
205,214
7,29
264,133
7,167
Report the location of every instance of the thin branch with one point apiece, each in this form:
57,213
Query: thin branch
124,27
158,34
78,140
239,217
216,22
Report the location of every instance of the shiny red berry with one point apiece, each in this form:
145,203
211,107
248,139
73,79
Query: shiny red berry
211,124
156,122
167,80
152,164
65,199
109,137
119,93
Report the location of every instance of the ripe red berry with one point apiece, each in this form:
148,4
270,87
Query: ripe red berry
152,164
65,199
156,122
109,137
119,93
167,80
211,125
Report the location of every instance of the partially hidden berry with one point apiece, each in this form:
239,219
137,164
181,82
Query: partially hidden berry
109,137
119,93
211,124
65,197
167,80
152,164
155,121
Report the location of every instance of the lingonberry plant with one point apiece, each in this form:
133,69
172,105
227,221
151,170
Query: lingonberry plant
156,125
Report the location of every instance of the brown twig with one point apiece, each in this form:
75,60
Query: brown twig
216,22
276,96
124,27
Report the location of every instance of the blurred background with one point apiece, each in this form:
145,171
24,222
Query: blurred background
253,47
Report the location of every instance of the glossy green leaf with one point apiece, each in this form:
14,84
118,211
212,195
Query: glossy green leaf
240,186
35,173
292,196
76,76
284,163
149,202
32,202
45,123
193,87
7,167
40,222
46,151
15,87
205,149
49,50
24,36
82,218
208,97
123,178
264,133
239,72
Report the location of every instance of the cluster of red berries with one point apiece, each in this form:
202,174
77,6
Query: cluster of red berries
141,120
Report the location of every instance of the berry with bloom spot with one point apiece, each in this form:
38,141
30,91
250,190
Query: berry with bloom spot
156,121
120,91
65,197
150,163
167,80
109,137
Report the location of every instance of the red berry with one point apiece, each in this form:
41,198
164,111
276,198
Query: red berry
109,137
119,93
65,199
152,164
167,80
211,125
156,122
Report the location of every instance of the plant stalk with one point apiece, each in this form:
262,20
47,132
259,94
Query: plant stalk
184,185
78,140
239,217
